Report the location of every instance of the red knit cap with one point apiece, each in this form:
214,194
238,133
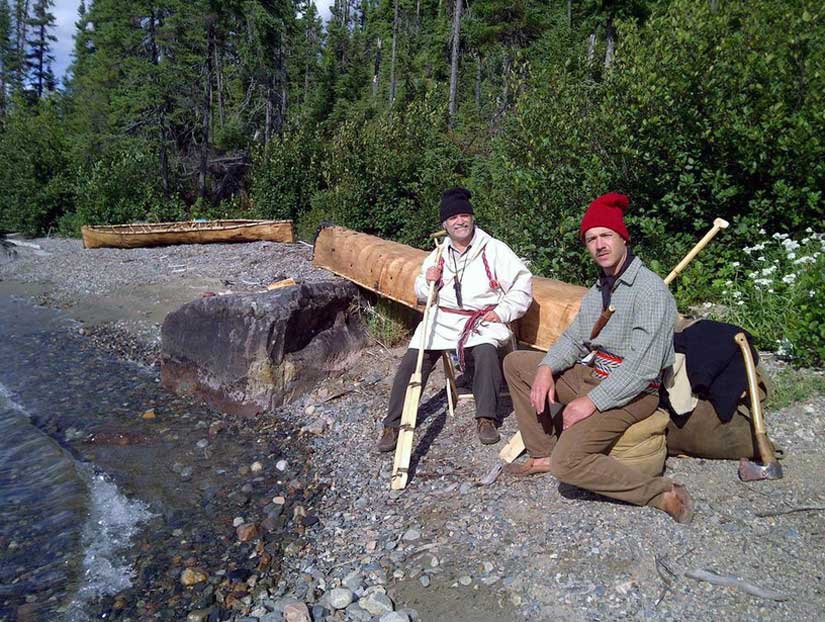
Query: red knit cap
606,211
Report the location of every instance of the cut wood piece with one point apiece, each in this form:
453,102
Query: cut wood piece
406,434
279,284
555,304
513,449
386,268
192,232
389,269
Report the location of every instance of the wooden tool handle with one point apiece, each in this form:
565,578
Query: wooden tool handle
718,225
425,320
765,449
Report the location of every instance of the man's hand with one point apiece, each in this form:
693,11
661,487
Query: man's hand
433,274
577,410
491,316
543,389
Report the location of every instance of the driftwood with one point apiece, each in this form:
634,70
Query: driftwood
701,574
389,269
192,232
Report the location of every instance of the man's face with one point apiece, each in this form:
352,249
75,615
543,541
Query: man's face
606,247
460,228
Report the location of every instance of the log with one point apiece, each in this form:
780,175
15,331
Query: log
389,269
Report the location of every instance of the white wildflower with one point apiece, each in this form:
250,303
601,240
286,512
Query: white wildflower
728,283
762,232
809,230
740,302
768,271
735,264
762,282
803,260
790,245
789,278
791,255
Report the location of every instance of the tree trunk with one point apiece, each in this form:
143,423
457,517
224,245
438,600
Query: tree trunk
456,35
376,76
219,84
591,47
207,110
478,81
611,43
162,147
394,52
569,13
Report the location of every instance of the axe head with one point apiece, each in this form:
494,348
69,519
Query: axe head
753,471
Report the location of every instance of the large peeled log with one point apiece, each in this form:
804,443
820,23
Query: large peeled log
389,269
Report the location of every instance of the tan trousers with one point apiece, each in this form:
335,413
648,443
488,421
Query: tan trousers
579,455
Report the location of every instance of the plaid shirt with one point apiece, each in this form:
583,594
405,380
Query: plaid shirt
640,332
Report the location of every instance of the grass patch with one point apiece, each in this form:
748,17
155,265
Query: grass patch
389,323
795,385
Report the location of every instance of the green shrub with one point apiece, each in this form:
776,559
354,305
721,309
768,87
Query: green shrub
777,293
118,190
35,174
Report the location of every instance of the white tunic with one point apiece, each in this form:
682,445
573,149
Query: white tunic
512,298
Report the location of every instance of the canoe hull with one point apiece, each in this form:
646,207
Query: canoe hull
389,269
163,234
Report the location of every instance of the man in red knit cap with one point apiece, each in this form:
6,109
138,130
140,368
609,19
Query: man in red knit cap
605,369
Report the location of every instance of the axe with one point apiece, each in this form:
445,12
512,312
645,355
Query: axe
770,468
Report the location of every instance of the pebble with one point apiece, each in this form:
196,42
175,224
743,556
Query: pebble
340,598
278,500
296,612
191,576
203,443
376,603
394,616
465,580
256,467
310,410
149,414
247,532
353,581
357,613
198,615
424,580
238,521
281,465
411,535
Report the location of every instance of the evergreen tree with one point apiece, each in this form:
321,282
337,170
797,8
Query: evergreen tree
5,54
40,57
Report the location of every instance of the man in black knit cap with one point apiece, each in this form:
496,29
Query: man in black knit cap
481,286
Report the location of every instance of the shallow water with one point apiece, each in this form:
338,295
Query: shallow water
63,527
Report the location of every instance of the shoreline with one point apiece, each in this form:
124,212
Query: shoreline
516,550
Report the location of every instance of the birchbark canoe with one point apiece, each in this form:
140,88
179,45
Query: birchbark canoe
191,232
389,269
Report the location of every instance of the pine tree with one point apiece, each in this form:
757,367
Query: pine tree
40,57
5,54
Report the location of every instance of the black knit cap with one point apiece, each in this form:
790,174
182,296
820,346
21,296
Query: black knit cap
455,201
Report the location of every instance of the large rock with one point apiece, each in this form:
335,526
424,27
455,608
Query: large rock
248,353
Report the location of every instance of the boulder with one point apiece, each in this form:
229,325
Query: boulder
248,353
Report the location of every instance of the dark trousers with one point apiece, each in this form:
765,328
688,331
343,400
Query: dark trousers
486,380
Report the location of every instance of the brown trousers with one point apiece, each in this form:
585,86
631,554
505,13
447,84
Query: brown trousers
579,455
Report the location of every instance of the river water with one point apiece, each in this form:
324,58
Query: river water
65,528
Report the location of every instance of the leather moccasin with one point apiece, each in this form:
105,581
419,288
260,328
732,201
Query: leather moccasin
530,467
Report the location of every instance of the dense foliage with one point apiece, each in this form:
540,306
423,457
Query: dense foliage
695,109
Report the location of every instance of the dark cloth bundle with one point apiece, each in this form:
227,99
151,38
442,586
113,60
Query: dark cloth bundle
714,362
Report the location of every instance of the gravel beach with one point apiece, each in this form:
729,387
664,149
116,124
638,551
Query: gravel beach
290,516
